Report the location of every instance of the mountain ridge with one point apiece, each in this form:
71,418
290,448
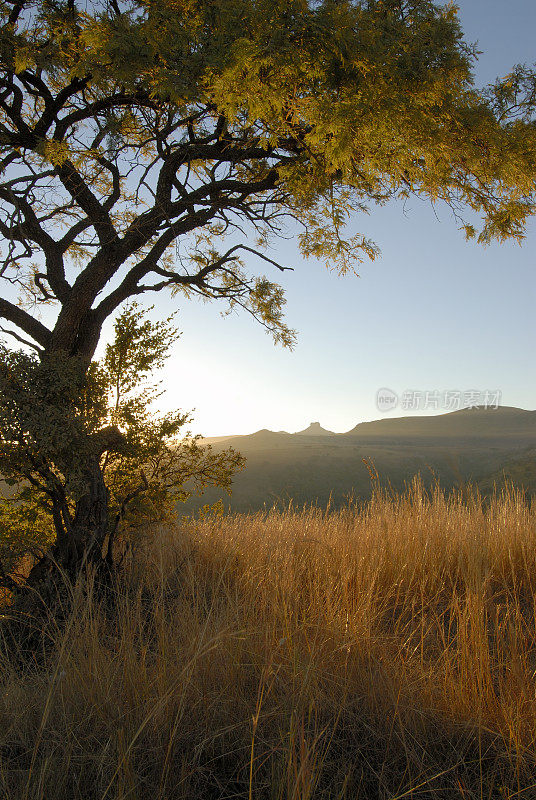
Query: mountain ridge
480,446
478,418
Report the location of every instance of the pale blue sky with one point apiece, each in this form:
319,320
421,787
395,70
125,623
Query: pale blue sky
432,313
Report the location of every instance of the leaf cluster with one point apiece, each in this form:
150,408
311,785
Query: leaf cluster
157,455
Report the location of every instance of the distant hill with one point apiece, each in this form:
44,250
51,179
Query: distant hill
501,422
315,429
481,445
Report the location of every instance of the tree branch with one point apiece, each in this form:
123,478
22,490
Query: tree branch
30,228
21,339
31,326
84,197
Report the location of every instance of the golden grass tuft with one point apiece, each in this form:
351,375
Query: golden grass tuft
386,651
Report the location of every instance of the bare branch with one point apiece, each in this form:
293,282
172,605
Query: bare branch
21,339
31,326
260,255
84,197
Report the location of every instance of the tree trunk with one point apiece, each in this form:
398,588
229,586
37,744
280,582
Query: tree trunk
80,543
90,524
43,602
80,537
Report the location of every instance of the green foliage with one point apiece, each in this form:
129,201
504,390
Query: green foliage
26,527
42,435
159,465
50,416
42,446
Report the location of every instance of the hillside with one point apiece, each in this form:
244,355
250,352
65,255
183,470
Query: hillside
520,471
502,422
479,445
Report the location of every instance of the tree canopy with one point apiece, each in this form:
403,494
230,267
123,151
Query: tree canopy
153,144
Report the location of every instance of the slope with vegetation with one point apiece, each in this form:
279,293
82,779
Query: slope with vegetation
476,445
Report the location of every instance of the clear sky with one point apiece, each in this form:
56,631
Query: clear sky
433,313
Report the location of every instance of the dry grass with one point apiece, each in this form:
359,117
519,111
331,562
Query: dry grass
382,652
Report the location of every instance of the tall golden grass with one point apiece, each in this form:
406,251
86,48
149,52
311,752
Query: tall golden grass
383,651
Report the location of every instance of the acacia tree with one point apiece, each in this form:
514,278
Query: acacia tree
152,145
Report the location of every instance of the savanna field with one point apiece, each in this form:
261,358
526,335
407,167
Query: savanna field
383,651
